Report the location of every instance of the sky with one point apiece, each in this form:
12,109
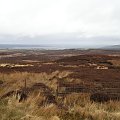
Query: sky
78,22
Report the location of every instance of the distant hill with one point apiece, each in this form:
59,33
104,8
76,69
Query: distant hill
113,47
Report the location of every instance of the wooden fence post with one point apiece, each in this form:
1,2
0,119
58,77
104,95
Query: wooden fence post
25,87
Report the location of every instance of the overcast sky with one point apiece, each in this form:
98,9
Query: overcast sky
60,21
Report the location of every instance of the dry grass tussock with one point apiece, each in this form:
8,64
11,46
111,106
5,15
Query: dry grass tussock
15,81
75,106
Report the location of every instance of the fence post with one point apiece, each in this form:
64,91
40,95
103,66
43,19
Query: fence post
25,85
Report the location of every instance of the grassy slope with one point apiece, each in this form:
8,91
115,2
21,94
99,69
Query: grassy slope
74,106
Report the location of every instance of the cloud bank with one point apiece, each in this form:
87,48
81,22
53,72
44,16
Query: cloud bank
83,18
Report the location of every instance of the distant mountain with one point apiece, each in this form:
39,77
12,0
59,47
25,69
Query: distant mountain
113,47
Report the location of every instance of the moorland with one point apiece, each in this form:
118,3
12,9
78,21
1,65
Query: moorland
59,84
